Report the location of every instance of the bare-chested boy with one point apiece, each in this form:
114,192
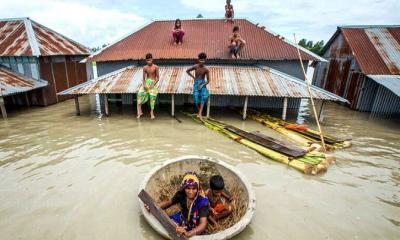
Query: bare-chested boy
229,13
200,91
148,91
236,43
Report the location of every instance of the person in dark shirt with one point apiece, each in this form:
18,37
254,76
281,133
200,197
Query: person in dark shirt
192,219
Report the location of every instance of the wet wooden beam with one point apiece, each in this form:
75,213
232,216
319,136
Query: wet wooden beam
44,97
106,109
321,109
160,215
208,105
27,99
3,108
173,105
246,100
78,110
284,108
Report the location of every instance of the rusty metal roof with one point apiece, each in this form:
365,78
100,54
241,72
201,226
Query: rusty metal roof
13,83
225,80
375,48
25,37
201,35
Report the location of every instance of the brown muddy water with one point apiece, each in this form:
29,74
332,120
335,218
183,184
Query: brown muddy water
76,177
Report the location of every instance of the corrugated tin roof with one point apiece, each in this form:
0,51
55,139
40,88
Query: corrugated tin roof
13,83
225,80
391,82
376,49
208,35
24,37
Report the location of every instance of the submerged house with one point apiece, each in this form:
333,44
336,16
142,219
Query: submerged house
268,74
363,67
36,63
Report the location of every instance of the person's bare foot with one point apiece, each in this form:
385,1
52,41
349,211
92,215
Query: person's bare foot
237,56
179,43
174,43
233,56
152,116
139,115
200,117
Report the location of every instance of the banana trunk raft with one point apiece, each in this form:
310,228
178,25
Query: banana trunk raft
299,133
311,163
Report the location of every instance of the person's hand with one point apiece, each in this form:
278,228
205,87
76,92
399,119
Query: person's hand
146,87
180,230
213,211
147,207
151,86
200,87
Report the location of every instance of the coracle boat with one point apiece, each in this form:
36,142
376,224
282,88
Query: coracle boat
162,183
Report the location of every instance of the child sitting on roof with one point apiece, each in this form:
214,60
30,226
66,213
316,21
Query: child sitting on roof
192,219
200,91
177,32
236,43
229,13
148,91
218,210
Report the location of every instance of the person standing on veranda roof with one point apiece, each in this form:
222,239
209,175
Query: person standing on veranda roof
229,13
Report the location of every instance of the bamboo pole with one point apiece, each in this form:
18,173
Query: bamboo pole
27,99
311,96
246,100
284,108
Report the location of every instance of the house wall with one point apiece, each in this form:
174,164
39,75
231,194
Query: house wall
292,68
341,75
61,72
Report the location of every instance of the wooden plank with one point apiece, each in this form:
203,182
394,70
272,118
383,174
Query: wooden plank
245,107
284,109
161,216
3,108
268,142
78,110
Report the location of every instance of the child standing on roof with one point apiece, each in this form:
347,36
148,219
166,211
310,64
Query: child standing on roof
177,32
229,13
148,91
200,91
236,43
215,194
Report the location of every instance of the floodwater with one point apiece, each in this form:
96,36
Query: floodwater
77,177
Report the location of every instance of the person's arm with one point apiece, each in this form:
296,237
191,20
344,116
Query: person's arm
144,78
189,71
227,196
157,76
166,204
208,77
199,229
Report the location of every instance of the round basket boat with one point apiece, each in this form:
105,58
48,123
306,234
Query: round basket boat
163,181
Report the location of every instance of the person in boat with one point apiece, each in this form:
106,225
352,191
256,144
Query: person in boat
200,91
192,219
148,91
177,32
215,194
229,13
236,43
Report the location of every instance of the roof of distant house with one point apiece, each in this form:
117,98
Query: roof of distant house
375,48
13,83
25,37
202,35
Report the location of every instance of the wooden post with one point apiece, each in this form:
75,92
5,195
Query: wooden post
208,106
44,97
321,109
78,110
27,99
106,110
173,105
246,100
3,108
284,108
